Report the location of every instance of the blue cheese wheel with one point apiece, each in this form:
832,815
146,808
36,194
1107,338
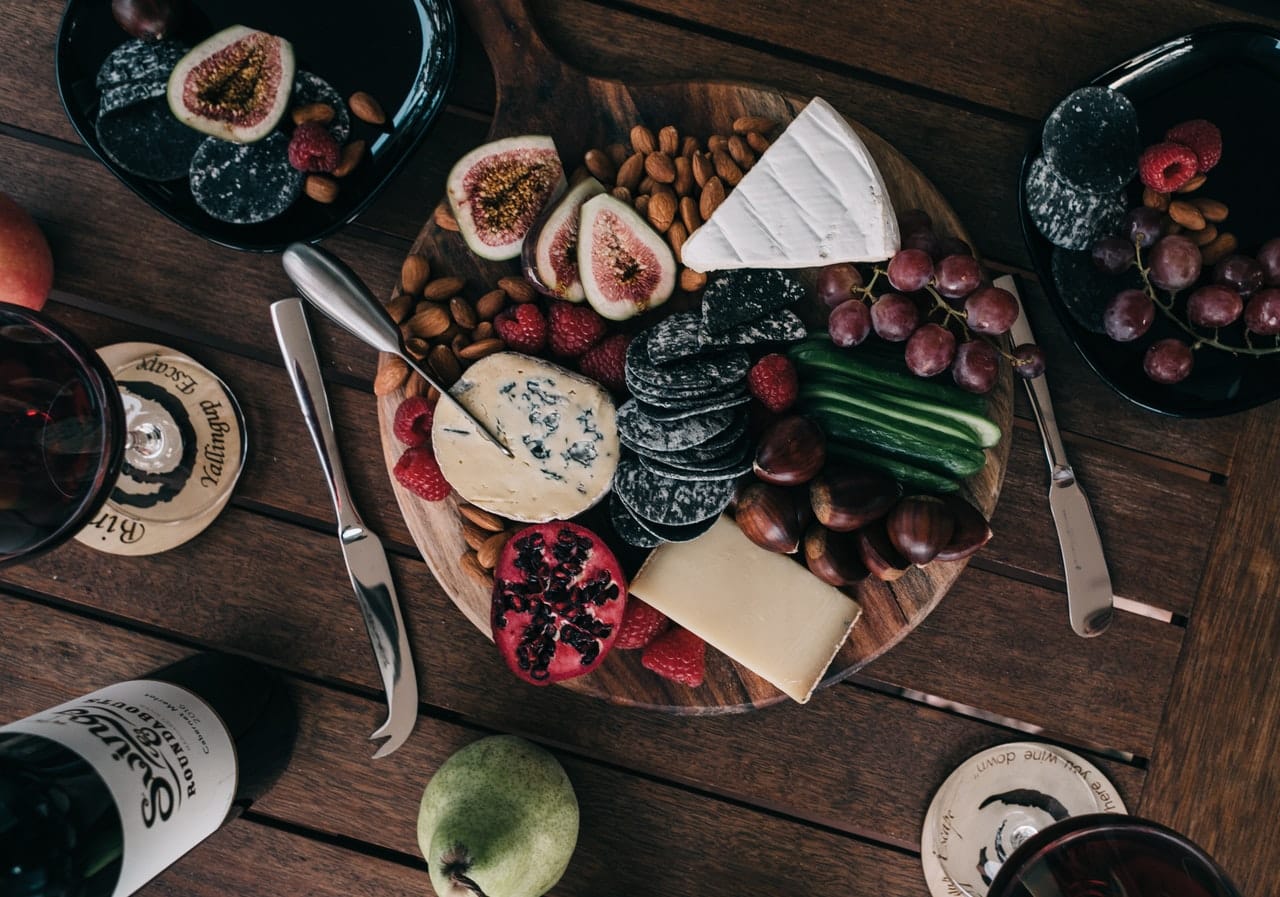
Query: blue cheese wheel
1068,217
561,429
244,183
1091,140
145,139
736,297
661,499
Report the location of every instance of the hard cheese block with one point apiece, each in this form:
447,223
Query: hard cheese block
760,608
560,426
814,198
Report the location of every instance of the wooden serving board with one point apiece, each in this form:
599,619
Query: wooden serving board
538,94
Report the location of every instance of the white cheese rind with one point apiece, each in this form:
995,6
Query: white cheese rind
814,198
762,609
560,426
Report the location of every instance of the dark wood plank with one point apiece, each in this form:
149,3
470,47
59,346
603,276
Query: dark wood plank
1213,766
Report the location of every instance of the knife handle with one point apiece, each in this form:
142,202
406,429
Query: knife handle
1047,421
294,335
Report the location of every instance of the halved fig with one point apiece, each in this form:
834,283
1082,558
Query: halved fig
497,190
625,265
234,86
550,253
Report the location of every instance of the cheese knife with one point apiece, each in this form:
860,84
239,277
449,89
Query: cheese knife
1089,595
361,549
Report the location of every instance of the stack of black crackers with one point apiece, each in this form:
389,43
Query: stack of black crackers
684,431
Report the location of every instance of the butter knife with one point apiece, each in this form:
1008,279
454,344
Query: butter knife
1089,595
361,549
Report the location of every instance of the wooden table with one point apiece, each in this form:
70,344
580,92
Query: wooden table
1176,702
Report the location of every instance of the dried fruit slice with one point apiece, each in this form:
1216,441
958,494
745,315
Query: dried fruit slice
244,183
497,190
625,265
234,85
550,252
558,600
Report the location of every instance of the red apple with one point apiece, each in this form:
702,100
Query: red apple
26,264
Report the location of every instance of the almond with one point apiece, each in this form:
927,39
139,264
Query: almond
417,347
646,185
486,520
621,193
669,140
519,289
366,108
469,563
717,143
492,302
631,171
1193,185
600,166
462,313
660,167
1211,209
689,214
683,183
319,112
617,153
459,342
415,386
642,140
483,330
320,188
444,218
757,142
1205,236
352,153
399,307
1186,214
415,271
662,210
450,334
473,535
429,323
712,196
703,170
676,235
744,124
741,153
1154,199
392,372
443,288
691,281
1218,249
445,365
480,348
642,204
727,169
689,145
491,549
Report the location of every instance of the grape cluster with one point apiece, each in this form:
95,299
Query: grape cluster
938,303
1236,289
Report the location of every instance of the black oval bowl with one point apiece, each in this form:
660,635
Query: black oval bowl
1229,74
399,51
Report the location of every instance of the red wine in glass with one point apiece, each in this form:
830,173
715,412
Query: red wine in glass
61,433
1109,855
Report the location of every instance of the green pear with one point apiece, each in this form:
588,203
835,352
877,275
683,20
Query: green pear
498,819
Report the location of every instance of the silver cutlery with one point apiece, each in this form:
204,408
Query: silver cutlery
328,284
1089,595
361,549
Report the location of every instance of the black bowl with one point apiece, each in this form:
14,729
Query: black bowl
399,51
1229,74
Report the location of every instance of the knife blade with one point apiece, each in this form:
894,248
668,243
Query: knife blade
362,551
1089,594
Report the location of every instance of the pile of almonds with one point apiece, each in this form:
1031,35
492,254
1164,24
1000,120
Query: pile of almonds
442,326
486,534
1195,217
324,187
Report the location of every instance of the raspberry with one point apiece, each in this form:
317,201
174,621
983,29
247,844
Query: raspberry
641,624
1203,137
573,329
678,655
522,328
312,148
1166,166
413,421
773,380
606,362
419,472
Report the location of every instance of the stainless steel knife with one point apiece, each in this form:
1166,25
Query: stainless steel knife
1089,595
362,550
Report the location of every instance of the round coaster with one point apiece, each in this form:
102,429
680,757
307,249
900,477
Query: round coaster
181,492
997,799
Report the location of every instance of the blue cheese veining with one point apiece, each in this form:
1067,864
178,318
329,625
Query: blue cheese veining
560,426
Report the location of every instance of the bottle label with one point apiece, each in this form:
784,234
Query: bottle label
166,757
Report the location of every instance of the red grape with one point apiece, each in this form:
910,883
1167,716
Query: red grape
1143,226
924,240
1168,361
1262,314
930,350
1175,263
1240,272
1029,361
849,323
1269,259
913,220
991,310
894,317
910,269
1112,255
836,283
1129,315
976,366
957,275
1214,305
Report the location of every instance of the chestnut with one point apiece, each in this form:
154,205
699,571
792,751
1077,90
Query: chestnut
971,532
833,557
791,451
771,516
920,526
878,553
845,499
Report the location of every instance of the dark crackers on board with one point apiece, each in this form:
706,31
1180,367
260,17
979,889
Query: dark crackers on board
628,526
244,183
661,499
120,95
657,412
139,60
1068,217
670,436
781,326
145,139
1091,140
741,466
734,455
700,372
674,338
736,297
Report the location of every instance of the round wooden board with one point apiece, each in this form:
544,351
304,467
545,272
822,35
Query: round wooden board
537,94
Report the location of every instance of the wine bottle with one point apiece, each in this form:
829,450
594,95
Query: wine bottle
100,794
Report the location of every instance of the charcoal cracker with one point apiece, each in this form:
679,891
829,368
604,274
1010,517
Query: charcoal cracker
661,499
670,436
736,297
244,183
146,140
1091,140
1068,217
